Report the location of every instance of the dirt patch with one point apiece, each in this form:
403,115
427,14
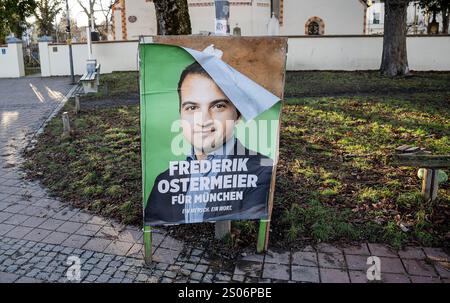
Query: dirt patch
123,99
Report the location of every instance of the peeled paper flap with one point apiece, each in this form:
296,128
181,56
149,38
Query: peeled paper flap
250,98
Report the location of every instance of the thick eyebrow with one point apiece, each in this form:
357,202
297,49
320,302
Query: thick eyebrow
219,101
188,103
211,104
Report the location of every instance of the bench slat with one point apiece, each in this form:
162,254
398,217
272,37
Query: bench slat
420,160
89,76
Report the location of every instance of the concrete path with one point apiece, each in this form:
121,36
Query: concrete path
45,240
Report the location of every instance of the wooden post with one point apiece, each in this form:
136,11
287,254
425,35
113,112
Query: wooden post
422,159
261,244
430,184
147,244
221,229
264,225
77,104
66,124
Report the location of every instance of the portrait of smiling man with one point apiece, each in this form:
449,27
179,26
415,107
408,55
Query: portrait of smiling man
220,178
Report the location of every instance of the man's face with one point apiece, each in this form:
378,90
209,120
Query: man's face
208,117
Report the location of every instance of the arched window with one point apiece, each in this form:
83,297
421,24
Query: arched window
314,26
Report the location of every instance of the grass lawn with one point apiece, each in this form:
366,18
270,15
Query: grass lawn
333,182
117,85
312,83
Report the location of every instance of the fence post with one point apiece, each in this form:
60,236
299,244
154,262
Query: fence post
430,184
66,124
44,56
147,245
77,104
221,229
16,65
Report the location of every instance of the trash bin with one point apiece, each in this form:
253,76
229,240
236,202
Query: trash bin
91,65
95,36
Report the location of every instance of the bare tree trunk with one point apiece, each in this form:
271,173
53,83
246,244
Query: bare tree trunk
445,17
172,17
89,12
106,13
395,60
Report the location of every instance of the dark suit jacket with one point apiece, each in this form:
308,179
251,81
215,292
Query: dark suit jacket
159,209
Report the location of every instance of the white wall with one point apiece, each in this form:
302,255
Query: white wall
202,18
341,17
118,25
113,56
364,53
11,61
251,16
261,16
429,53
334,53
44,59
304,53
144,11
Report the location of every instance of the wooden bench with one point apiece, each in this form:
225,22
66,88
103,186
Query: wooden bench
91,80
418,157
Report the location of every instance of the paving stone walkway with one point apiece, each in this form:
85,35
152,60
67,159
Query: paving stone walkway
39,235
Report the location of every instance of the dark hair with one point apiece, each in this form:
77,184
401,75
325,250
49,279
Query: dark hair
194,69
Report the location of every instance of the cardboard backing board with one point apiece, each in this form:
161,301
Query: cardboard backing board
249,56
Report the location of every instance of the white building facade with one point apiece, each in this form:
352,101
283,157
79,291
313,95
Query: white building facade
336,17
132,18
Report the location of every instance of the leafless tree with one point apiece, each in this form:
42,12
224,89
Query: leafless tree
88,9
106,11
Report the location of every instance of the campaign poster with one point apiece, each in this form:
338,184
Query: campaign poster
209,137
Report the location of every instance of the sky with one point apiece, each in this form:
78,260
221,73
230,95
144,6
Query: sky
77,12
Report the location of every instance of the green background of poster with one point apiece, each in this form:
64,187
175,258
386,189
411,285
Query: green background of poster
160,69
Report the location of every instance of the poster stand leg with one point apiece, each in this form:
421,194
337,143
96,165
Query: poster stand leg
222,229
147,244
261,244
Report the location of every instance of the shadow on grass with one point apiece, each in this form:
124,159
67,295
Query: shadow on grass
399,117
